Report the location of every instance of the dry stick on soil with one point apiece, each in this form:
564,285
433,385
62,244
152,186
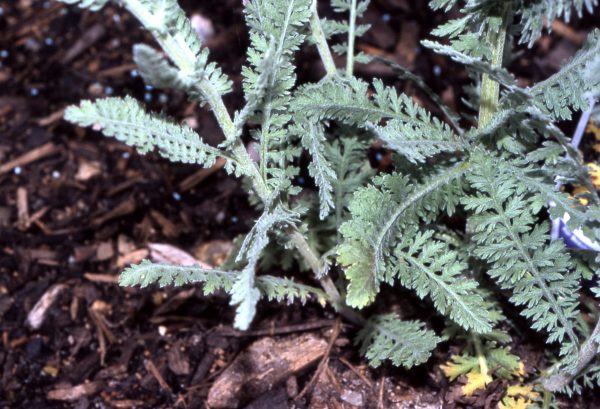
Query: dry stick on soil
153,370
356,372
380,404
33,155
324,361
287,329
22,209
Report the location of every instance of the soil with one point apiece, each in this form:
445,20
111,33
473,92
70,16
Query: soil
76,208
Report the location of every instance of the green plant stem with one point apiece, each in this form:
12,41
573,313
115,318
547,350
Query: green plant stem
185,59
326,283
179,52
587,353
319,38
351,36
490,89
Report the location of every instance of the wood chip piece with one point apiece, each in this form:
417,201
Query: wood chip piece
197,177
73,393
87,170
134,257
29,157
38,313
102,278
168,254
262,366
178,361
22,209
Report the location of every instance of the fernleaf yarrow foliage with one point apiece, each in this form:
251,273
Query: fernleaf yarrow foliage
494,166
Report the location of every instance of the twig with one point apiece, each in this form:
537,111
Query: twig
153,370
380,404
324,361
31,156
288,329
356,372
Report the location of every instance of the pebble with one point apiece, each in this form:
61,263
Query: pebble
148,97
353,398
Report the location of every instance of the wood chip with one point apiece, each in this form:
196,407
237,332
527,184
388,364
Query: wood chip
89,38
178,362
262,366
105,251
214,252
123,209
102,278
29,157
135,257
167,227
197,178
153,370
52,118
168,254
87,170
116,71
73,393
38,313
22,209
563,30
126,403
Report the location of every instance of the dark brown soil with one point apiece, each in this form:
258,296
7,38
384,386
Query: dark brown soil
75,207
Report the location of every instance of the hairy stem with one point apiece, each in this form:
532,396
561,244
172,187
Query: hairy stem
321,42
490,89
184,58
351,35
587,353
326,283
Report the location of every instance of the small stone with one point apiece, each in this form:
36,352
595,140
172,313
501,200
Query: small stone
353,398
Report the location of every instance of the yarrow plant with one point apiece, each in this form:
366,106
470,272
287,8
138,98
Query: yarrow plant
497,163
